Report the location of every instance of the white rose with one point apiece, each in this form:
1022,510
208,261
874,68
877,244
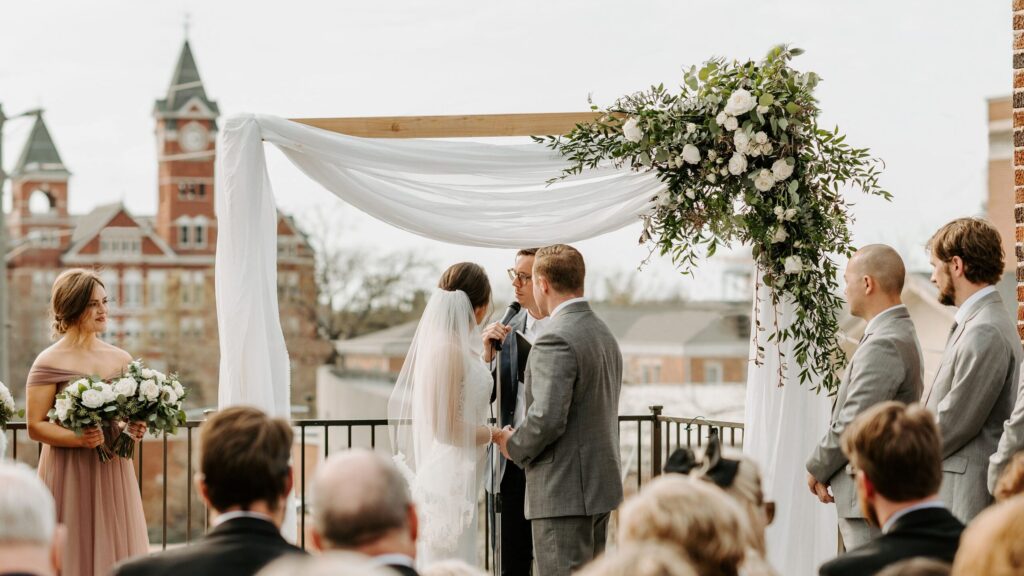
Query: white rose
148,374
73,388
767,148
691,194
782,169
720,119
149,390
762,110
711,178
755,150
779,213
712,154
737,164
169,395
92,398
724,172
780,235
741,141
631,130
62,406
793,265
691,127
761,138
126,387
740,102
107,391
790,214
691,154
178,388
764,180
160,376
731,123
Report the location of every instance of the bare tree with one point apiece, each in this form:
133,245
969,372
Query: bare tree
362,288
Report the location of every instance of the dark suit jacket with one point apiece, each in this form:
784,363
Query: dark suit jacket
403,569
930,533
509,362
238,547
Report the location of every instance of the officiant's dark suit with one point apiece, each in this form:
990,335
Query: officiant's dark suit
516,535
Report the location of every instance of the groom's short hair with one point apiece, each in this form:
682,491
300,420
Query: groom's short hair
898,447
562,266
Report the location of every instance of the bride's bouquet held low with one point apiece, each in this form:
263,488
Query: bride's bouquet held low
84,403
152,397
7,408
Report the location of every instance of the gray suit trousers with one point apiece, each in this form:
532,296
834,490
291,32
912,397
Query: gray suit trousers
856,532
563,544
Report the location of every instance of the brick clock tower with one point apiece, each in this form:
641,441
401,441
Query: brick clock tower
186,131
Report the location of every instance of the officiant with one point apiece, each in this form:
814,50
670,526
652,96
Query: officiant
516,536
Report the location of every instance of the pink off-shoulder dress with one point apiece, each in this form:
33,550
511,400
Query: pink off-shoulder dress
98,503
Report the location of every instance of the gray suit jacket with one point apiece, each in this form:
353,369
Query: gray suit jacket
972,396
1011,442
886,366
569,443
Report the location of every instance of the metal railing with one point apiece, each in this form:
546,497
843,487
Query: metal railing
656,436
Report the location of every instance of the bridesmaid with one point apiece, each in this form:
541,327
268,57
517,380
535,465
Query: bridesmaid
98,503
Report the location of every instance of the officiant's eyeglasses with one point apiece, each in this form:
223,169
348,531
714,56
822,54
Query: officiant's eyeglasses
518,276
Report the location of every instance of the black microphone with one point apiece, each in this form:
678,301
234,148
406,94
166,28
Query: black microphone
510,313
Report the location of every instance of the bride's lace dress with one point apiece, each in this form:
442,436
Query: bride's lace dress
437,415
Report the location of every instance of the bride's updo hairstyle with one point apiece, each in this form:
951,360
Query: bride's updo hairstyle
471,279
69,298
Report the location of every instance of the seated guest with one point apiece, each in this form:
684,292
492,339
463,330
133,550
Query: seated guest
992,545
641,559
245,476
333,564
1011,481
361,503
28,532
691,514
452,568
917,567
896,455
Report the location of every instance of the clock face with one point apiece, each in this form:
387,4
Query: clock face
193,138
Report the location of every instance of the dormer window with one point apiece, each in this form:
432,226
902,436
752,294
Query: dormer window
121,242
193,231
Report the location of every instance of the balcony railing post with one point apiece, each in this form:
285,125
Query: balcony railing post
655,440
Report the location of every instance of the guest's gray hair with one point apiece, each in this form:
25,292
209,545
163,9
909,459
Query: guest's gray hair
358,497
27,513
330,564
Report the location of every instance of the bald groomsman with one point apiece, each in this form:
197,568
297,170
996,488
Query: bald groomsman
886,366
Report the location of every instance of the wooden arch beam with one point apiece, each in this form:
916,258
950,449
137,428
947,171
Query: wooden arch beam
474,126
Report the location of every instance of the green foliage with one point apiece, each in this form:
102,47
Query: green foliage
744,159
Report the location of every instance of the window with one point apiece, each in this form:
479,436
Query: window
156,283
157,332
132,289
112,334
288,286
200,237
132,331
121,242
651,373
191,328
45,237
192,288
183,234
41,202
287,247
712,372
110,281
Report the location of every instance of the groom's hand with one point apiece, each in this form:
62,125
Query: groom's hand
501,439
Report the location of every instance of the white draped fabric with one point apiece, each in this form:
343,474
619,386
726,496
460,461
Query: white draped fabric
783,424
474,194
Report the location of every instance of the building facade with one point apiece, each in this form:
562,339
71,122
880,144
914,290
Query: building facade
158,270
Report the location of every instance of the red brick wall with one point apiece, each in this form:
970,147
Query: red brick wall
1018,151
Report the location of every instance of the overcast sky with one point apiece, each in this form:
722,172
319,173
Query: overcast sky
909,79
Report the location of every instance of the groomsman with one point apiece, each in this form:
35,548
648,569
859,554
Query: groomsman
976,383
516,535
886,366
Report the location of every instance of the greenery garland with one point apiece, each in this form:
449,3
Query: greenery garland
744,159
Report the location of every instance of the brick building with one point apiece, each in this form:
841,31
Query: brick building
158,270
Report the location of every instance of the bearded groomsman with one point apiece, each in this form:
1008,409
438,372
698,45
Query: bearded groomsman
886,366
976,383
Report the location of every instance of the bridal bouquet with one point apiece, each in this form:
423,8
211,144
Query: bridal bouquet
151,396
7,408
86,402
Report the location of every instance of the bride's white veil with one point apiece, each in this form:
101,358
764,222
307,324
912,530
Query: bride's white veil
434,441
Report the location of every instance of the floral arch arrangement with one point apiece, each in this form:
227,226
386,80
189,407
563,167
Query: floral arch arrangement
744,159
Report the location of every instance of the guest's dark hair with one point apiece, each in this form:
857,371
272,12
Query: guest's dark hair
917,567
976,242
69,298
469,278
527,252
898,448
244,456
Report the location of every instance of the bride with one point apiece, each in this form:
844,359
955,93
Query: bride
438,415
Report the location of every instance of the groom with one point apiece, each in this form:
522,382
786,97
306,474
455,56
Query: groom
569,442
